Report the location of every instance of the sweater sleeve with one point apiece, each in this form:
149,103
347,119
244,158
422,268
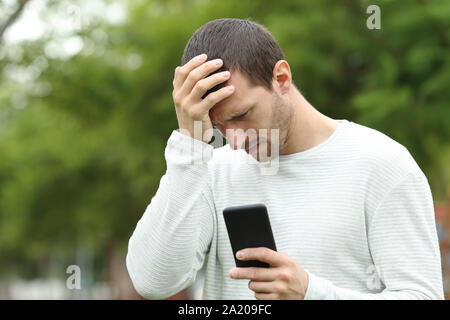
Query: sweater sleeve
172,238
404,247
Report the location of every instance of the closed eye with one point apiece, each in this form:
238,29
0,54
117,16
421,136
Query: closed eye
239,116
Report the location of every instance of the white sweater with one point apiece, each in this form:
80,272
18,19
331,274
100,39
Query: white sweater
355,211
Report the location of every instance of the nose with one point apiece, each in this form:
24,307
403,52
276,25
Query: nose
236,138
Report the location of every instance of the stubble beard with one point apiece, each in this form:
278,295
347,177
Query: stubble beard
280,120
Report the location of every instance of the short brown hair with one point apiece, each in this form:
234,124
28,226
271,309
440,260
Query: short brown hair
243,45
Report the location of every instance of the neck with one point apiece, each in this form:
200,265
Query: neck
308,126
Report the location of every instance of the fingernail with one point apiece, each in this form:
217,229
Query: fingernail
240,254
232,272
218,61
202,57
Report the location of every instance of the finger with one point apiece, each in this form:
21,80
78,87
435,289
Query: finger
261,286
254,273
266,296
181,73
273,258
202,86
215,97
199,73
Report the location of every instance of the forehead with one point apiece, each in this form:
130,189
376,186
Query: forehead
241,97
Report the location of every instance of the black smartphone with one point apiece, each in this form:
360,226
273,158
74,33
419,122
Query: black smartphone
248,226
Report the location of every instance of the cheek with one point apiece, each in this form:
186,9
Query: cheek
278,127
263,116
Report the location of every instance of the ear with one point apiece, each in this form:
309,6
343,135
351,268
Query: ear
282,78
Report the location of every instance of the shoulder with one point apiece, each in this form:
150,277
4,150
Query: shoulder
382,154
385,165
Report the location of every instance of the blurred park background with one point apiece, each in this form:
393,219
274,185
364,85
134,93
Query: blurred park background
86,110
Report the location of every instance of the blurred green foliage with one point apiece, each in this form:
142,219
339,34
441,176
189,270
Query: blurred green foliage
82,144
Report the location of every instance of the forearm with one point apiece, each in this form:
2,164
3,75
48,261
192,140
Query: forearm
170,241
322,289
403,244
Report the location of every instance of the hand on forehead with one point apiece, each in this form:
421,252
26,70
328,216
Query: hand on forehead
233,104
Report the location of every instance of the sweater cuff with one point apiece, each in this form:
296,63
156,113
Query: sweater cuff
318,288
182,149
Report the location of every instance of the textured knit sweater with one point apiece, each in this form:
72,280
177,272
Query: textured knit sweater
355,211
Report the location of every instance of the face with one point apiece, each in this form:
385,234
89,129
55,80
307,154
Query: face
241,117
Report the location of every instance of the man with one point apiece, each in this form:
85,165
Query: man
351,211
